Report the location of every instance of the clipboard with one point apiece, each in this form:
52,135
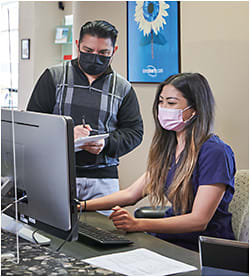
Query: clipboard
83,140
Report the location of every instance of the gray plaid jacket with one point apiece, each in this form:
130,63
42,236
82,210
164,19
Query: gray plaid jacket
103,104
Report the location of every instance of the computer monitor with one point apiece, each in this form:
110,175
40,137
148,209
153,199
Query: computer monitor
45,170
223,257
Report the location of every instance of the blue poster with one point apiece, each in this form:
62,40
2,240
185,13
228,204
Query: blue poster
153,40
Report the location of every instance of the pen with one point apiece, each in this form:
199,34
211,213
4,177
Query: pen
84,123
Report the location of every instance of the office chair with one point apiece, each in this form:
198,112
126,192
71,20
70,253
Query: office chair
239,207
150,212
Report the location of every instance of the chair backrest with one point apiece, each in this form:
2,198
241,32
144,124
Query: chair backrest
239,206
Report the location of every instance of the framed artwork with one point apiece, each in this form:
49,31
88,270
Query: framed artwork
25,49
153,50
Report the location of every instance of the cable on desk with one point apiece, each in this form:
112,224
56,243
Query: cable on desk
60,246
33,236
16,201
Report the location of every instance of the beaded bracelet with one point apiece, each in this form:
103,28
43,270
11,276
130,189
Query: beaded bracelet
85,205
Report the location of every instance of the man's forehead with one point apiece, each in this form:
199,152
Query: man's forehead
89,40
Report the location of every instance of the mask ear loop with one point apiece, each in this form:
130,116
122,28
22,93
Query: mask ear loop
78,58
192,116
188,107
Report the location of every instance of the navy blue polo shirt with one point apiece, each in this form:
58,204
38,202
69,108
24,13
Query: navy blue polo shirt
215,164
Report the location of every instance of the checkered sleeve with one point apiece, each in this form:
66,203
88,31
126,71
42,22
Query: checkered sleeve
129,132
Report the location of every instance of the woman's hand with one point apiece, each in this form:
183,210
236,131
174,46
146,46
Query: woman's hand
123,220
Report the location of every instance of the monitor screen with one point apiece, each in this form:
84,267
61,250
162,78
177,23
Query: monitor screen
45,170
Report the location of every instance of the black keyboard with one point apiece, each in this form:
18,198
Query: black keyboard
86,231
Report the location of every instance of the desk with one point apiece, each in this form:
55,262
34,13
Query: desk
81,250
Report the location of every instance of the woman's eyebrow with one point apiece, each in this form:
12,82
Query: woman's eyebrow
170,97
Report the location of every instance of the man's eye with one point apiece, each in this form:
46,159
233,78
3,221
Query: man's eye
104,53
171,103
87,50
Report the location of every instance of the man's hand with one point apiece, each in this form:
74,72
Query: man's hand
94,147
123,220
80,131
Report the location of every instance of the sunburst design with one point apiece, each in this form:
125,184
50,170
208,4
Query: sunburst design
150,16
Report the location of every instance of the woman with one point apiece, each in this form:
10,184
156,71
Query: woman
187,165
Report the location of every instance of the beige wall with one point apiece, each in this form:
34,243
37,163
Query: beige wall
37,21
214,41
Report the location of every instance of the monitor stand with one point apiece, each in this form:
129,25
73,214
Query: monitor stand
24,231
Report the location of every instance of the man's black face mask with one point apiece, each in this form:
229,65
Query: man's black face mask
93,64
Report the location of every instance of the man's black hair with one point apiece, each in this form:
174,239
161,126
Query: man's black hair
99,28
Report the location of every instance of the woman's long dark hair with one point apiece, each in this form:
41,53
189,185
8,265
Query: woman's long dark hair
196,90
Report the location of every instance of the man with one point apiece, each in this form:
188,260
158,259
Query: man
88,87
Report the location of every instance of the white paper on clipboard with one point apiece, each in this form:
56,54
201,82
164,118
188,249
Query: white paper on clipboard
83,140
